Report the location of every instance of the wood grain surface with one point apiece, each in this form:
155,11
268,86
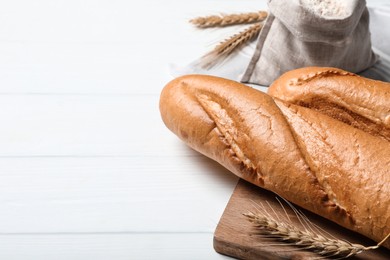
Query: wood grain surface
235,235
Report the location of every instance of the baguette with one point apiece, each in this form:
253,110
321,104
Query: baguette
360,102
310,159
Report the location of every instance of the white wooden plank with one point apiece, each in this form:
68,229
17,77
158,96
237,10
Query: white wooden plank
101,46
86,194
108,246
79,68
79,125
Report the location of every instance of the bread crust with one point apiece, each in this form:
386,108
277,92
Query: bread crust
310,159
361,102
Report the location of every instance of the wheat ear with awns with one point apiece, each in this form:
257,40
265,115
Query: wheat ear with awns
308,237
228,46
228,19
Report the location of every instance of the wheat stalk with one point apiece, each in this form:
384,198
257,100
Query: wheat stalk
228,46
228,19
307,239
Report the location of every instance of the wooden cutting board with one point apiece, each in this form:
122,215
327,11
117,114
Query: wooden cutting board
234,235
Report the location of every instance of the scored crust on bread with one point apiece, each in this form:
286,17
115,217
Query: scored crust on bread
361,102
310,159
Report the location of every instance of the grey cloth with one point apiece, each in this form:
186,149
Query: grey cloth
380,37
296,36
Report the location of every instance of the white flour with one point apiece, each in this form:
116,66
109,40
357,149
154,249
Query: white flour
326,8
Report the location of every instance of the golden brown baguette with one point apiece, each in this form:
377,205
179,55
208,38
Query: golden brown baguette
312,160
361,102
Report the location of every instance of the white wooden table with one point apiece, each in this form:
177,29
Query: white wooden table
87,169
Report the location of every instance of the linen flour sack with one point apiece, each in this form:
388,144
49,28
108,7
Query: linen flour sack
300,33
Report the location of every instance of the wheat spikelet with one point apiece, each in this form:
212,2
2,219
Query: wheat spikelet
228,46
308,238
228,19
